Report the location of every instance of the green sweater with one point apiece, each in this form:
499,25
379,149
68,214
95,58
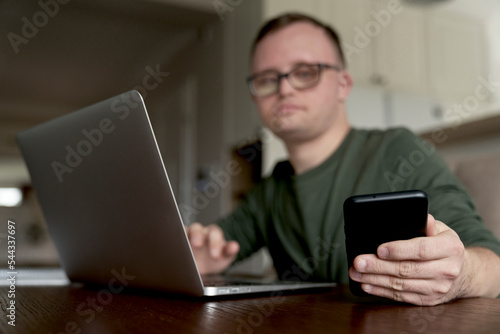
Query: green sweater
300,217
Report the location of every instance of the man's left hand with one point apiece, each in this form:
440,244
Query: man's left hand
423,271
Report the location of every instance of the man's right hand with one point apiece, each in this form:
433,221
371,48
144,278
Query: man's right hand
211,251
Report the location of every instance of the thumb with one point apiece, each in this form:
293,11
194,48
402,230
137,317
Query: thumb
431,226
435,227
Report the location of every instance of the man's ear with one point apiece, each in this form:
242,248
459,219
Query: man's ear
345,84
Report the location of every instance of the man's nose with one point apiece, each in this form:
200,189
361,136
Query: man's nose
285,88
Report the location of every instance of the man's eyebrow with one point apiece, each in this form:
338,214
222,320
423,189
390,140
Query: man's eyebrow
294,65
269,70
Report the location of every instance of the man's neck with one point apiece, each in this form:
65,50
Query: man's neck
307,155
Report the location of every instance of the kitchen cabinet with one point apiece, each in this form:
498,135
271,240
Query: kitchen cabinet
349,19
456,53
399,57
385,40
416,112
272,8
367,107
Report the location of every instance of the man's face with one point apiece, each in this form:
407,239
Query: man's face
297,115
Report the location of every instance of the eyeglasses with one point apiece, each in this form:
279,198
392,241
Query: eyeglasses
301,77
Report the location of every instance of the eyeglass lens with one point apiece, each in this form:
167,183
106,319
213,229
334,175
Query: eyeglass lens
301,77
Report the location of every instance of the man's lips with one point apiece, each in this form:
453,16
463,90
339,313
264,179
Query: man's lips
286,109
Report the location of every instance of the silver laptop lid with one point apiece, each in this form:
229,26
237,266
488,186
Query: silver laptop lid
106,196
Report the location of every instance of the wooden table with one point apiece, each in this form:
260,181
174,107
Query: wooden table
78,309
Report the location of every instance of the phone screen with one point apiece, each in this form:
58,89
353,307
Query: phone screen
371,220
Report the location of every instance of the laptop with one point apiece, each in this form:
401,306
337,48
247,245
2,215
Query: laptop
109,205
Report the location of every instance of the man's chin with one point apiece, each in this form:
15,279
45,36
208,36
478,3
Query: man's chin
288,134
282,126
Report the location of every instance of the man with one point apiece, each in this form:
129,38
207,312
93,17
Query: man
300,87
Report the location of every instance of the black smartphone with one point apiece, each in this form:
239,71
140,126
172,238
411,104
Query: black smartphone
371,220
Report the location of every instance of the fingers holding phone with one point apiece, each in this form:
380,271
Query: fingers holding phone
375,219
422,271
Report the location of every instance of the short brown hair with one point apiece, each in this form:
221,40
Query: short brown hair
287,19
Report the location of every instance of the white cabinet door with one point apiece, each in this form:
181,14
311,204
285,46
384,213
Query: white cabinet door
456,55
272,8
349,19
367,107
416,112
384,42
399,50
